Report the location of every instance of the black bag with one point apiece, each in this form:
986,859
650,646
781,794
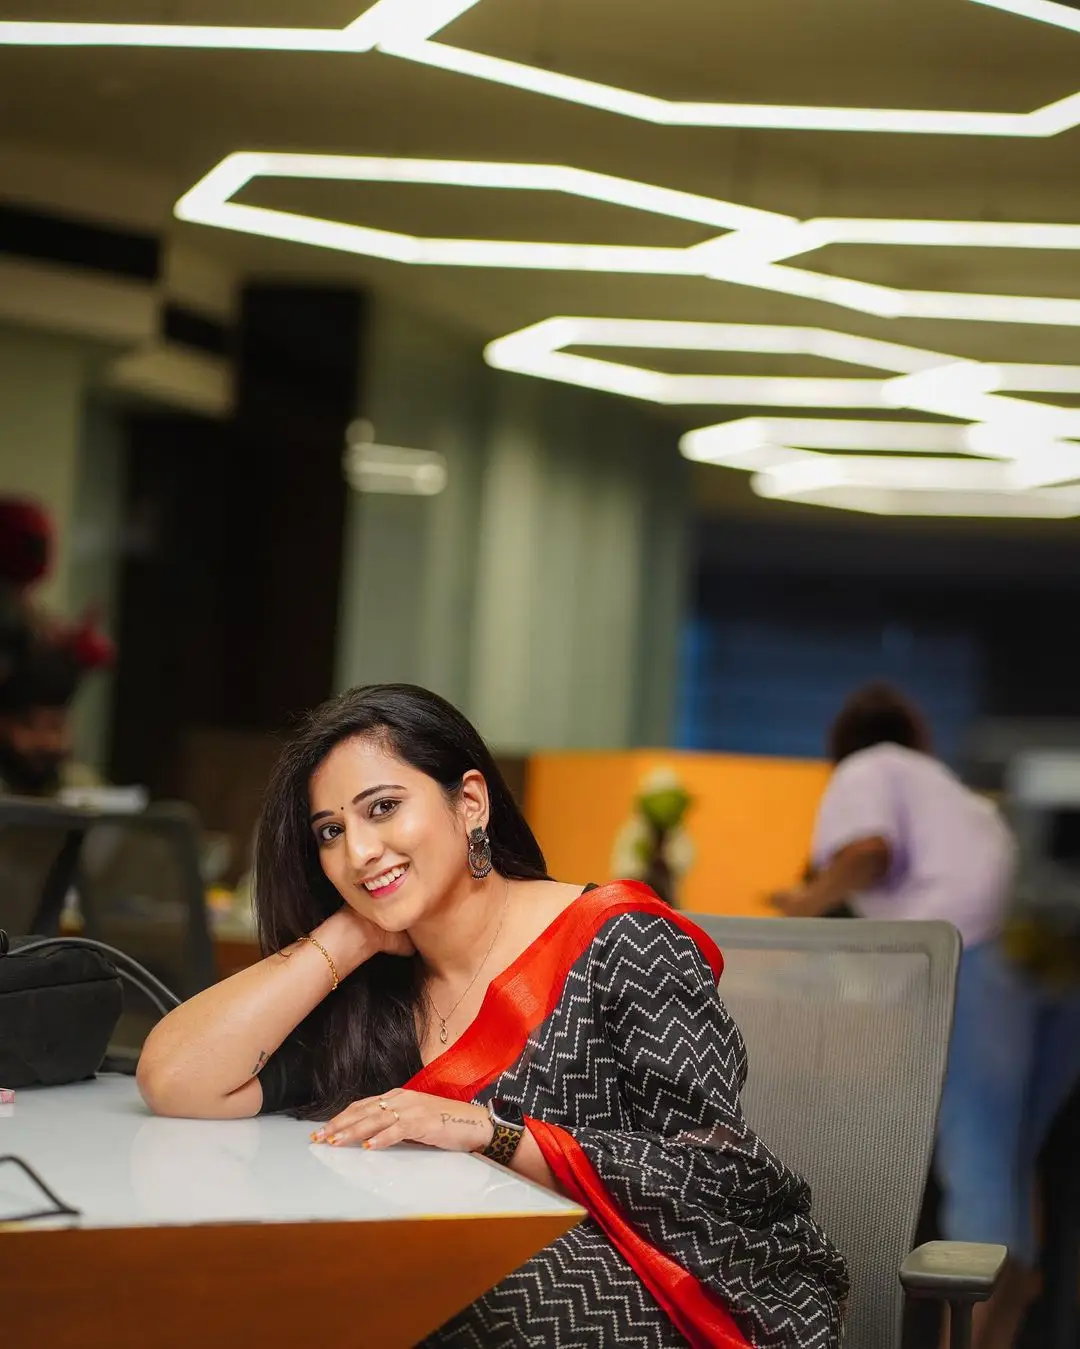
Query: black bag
59,1006
60,1000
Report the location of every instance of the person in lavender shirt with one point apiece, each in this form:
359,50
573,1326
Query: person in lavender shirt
899,836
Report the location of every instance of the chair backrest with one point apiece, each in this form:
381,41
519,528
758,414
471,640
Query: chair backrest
141,889
39,845
847,1026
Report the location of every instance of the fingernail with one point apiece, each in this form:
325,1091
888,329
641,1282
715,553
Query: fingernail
366,1143
318,1135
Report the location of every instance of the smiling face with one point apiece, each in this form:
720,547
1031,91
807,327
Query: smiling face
390,841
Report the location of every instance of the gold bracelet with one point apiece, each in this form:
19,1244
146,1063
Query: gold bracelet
326,956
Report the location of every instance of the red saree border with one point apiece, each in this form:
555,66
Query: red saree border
525,994
692,1310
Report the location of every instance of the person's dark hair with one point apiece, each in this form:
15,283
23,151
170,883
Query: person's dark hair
877,714
363,1040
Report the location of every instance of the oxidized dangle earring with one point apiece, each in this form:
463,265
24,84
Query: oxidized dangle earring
480,854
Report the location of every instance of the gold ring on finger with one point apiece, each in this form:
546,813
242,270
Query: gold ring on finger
397,1117
383,1105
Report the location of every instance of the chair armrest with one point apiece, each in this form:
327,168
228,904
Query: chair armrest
953,1271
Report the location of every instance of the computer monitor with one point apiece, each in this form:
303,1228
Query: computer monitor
1042,801
1042,789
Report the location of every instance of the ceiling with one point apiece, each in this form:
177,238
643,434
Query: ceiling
175,113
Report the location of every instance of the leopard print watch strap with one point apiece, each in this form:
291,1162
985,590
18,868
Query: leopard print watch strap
505,1138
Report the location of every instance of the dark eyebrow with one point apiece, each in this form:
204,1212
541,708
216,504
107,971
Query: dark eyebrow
360,796
382,787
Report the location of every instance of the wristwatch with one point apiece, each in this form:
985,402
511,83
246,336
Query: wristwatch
509,1127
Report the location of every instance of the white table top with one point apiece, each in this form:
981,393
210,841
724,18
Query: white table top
98,1147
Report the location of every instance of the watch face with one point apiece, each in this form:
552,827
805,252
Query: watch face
508,1112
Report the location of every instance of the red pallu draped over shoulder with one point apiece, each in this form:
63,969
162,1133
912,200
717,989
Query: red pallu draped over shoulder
519,1000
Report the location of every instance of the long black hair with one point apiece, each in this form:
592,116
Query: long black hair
363,1040
877,714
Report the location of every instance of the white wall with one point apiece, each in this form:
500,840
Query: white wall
95,549
407,591
542,591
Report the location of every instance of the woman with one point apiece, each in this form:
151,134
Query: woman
899,836
427,981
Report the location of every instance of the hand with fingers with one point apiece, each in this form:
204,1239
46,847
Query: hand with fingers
360,938
400,1116
791,903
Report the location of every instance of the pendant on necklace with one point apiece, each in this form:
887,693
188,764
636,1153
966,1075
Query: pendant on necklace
442,1033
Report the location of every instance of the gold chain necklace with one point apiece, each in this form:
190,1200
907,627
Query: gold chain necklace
431,1002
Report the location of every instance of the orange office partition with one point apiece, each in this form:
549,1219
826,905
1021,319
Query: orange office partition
751,820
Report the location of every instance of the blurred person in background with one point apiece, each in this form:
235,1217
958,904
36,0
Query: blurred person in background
43,659
899,836
35,721
26,546
25,557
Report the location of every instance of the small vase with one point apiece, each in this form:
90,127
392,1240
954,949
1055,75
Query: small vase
658,875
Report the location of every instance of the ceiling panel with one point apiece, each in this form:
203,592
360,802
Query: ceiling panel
475,213
873,53
174,114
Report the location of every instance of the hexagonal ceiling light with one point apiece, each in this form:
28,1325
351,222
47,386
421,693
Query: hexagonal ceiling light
540,350
753,258
930,381
922,468
747,255
210,202
906,487
1062,15
393,21
405,28
1050,120
1038,460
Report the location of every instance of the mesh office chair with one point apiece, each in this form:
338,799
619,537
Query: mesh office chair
39,849
847,1027
141,890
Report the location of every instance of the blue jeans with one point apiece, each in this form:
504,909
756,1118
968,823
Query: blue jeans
1014,1059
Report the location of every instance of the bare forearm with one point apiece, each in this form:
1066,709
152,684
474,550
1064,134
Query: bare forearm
204,1058
529,1162
854,868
